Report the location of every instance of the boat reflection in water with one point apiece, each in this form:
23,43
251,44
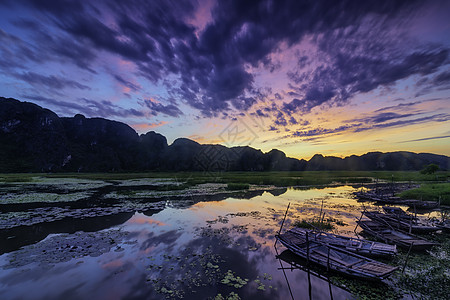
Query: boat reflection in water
294,263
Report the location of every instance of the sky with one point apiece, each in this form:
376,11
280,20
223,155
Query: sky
305,77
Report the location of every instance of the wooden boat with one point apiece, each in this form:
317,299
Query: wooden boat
389,235
419,204
398,222
370,196
445,226
355,245
397,212
334,258
384,199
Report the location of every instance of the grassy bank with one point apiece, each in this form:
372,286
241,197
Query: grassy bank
430,192
259,178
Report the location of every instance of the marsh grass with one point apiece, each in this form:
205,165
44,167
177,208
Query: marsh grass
279,179
133,190
430,192
17,177
366,290
426,274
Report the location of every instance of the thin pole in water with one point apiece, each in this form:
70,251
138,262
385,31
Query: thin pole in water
410,224
320,214
328,260
415,214
285,214
357,223
307,248
284,273
392,185
407,256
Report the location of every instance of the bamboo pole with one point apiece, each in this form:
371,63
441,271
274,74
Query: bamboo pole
282,223
285,214
415,213
357,223
407,256
284,273
320,214
328,260
410,224
307,247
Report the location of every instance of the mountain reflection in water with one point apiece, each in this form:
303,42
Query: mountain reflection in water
190,249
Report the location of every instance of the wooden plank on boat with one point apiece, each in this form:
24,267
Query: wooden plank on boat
377,268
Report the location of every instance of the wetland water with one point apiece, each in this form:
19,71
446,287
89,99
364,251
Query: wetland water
216,247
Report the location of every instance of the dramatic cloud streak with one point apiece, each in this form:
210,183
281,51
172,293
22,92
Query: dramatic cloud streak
54,82
292,63
86,106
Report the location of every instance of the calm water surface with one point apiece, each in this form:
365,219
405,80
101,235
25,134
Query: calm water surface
186,250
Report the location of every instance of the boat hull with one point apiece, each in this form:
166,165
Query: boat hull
401,223
358,246
391,236
335,259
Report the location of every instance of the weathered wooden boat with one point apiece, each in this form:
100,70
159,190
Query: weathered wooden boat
389,235
334,258
445,226
390,200
370,196
380,198
355,245
400,223
419,204
385,199
397,212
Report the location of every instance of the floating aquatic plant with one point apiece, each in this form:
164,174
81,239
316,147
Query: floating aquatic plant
231,279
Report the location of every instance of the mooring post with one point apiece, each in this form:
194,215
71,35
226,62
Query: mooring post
407,256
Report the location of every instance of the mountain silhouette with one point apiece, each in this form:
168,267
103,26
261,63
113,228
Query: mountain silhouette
35,139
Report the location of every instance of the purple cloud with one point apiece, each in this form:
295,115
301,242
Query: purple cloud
370,124
156,108
54,82
127,83
89,107
211,68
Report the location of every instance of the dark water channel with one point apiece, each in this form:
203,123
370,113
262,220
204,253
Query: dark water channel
211,249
